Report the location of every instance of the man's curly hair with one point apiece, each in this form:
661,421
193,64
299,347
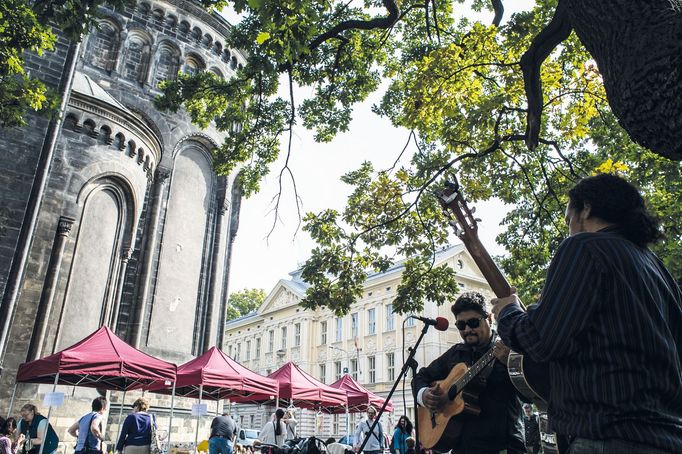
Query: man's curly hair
470,301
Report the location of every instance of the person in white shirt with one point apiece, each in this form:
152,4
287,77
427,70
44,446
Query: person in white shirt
291,423
375,443
274,432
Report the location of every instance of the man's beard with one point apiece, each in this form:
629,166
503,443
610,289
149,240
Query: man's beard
472,339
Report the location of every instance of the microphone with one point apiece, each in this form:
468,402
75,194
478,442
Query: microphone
440,323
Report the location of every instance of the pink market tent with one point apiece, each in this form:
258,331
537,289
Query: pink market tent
302,390
101,360
359,398
216,376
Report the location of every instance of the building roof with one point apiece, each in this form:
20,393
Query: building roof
84,85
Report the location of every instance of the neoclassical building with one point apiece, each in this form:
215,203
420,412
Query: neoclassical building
116,217
367,343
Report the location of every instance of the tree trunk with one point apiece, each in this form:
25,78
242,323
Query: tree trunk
637,45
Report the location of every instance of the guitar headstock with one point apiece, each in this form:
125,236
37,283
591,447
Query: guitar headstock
453,203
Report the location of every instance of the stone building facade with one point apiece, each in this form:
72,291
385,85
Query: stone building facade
134,228
367,342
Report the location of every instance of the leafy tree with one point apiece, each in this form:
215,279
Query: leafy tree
25,27
520,110
243,302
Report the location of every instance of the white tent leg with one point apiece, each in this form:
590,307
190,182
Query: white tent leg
11,402
196,435
170,420
49,411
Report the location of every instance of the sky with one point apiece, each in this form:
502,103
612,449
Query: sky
259,260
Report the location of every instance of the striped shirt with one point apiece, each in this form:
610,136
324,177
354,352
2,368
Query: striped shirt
609,322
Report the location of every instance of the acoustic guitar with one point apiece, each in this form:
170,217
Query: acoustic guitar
461,399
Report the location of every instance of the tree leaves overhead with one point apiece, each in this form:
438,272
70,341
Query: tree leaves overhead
456,84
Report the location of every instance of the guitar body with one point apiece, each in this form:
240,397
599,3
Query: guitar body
433,425
530,378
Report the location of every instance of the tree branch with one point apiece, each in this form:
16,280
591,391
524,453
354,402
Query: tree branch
355,24
543,44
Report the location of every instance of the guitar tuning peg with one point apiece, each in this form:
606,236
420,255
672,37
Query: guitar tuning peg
478,220
452,223
473,210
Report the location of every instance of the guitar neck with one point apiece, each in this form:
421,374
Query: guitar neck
471,373
485,263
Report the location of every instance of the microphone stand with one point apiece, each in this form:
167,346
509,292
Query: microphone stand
412,364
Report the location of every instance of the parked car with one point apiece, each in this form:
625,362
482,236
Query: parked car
246,437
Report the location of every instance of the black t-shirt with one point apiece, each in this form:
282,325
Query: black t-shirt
223,426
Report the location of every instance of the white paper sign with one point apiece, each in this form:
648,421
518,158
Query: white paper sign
53,399
199,409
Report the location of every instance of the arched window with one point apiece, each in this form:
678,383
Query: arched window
102,46
167,63
217,72
193,64
137,50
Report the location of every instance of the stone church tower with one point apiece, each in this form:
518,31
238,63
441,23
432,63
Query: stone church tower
132,228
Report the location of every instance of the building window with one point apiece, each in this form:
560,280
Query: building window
371,321
284,337
354,368
390,366
251,421
337,370
323,373
371,369
257,347
335,424
229,351
271,341
390,318
354,325
339,329
268,371
297,335
323,333
409,322
248,350
237,352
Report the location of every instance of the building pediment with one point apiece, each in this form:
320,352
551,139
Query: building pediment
283,295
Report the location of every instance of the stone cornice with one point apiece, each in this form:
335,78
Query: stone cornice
122,118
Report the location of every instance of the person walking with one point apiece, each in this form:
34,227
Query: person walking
136,433
531,426
375,442
35,430
403,431
88,429
274,432
221,439
291,423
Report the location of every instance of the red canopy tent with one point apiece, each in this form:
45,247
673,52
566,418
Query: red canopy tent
359,398
216,376
101,360
302,390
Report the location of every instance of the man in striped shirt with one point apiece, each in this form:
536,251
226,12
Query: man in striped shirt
609,322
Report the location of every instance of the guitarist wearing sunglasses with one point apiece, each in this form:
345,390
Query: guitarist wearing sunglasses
491,420
609,323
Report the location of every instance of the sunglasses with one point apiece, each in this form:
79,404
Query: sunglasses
471,323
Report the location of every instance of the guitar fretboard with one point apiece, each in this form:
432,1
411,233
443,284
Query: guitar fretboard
475,369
